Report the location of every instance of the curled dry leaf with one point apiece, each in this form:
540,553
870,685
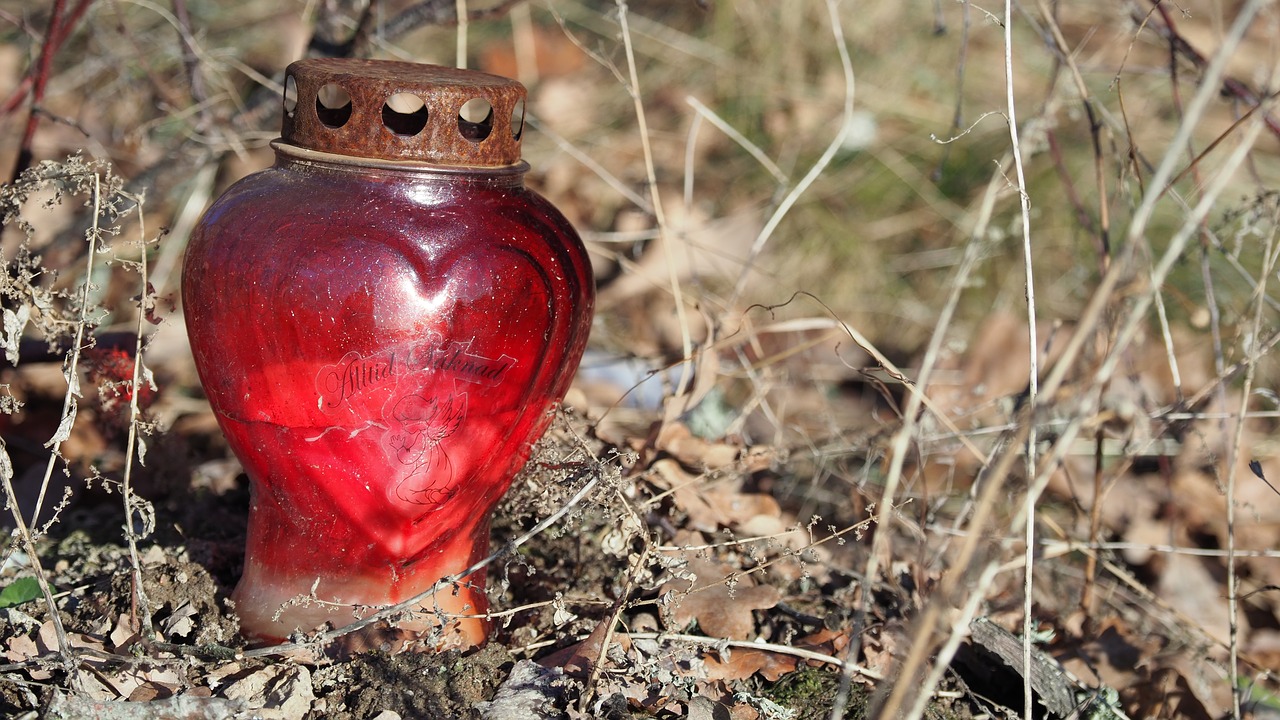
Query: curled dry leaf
21,648
180,622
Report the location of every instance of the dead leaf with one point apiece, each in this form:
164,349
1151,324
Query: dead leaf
693,451
1166,694
554,54
275,692
577,660
180,621
123,635
713,505
720,600
742,663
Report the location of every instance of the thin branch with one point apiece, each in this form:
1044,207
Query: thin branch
1233,462
39,79
801,653
1228,86
1033,373
752,149
665,235
135,442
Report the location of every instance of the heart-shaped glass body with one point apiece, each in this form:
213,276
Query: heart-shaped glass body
382,345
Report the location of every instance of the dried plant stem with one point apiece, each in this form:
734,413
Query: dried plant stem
1095,128
1104,255
959,630
1233,462
911,415
39,79
1138,226
1033,374
29,545
71,367
957,579
461,9
1180,47
925,628
690,161
588,162
758,646
53,41
735,135
954,581
615,613
664,232
126,489
1176,247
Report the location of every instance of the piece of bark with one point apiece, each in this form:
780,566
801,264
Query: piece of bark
992,665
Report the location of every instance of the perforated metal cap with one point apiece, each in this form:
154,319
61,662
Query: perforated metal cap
388,110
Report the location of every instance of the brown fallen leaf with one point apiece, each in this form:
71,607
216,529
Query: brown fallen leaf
579,659
718,599
693,451
711,506
275,692
1167,694
742,663
553,54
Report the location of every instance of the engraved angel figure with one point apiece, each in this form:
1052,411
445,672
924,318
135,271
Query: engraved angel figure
419,428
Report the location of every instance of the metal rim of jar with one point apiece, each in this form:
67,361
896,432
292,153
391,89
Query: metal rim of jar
363,163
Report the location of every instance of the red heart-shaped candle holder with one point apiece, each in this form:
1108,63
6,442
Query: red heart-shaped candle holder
382,322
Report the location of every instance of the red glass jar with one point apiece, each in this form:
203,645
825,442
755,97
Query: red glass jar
382,322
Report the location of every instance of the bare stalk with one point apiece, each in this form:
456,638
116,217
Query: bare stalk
72,367
1024,205
953,581
1207,91
659,217
735,135
29,545
461,59
135,442
1233,460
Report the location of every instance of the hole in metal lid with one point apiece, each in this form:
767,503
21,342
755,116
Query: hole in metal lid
290,95
475,120
517,120
333,105
404,114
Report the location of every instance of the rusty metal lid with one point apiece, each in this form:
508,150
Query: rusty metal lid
389,110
